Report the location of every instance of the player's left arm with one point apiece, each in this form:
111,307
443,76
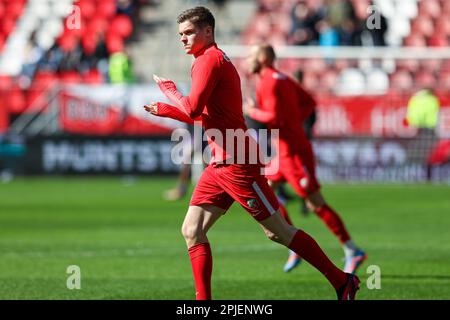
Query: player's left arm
205,74
165,110
268,105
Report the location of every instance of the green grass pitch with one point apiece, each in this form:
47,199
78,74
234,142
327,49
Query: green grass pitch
127,242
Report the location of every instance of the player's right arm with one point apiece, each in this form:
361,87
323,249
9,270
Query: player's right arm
268,104
205,75
165,110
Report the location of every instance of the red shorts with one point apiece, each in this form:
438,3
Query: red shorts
298,170
224,184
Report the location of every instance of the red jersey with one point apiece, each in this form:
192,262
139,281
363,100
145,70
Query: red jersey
215,99
284,105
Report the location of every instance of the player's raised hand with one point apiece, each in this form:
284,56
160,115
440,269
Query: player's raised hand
152,108
158,79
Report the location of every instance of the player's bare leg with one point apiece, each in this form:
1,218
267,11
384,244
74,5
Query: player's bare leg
293,259
278,230
354,256
198,220
180,189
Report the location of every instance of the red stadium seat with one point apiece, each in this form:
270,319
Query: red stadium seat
16,100
402,80
342,64
445,67
14,8
97,25
2,10
425,79
87,8
445,8
310,81
89,43
415,40
70,77
7,25
433,65
443,25
411,65
2,42
45,77
114,44
93,77
67,42
329,80
121,25
438,40
290,65
430,8
106,9
444,82
5,82
423,25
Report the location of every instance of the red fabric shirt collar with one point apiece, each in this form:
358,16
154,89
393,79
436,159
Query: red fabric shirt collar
267,71
205,49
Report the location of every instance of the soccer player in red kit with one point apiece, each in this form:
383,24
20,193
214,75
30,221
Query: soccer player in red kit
284,105
215,99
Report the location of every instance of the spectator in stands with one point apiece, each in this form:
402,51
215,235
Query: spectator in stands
309,129
52,59
342,16
304,20
121,68
328,35
350,33
96,54
377,33
34,54
72,56
339,11
128,7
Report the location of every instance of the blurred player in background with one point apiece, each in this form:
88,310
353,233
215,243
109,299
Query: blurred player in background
215,99
423,114
308,125
284,105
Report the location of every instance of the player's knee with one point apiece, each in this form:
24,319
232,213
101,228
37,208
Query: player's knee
187,231
272,236
190,232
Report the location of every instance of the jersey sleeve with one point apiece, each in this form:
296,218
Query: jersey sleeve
168,111
268,104
205,75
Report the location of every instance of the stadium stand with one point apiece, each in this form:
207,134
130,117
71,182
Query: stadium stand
62,41
48,42
405,23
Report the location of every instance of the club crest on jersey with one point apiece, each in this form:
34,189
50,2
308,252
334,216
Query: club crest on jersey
253,203
304,182
279,76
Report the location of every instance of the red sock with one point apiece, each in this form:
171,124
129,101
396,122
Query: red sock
285,214
201,261
307,248
333,222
